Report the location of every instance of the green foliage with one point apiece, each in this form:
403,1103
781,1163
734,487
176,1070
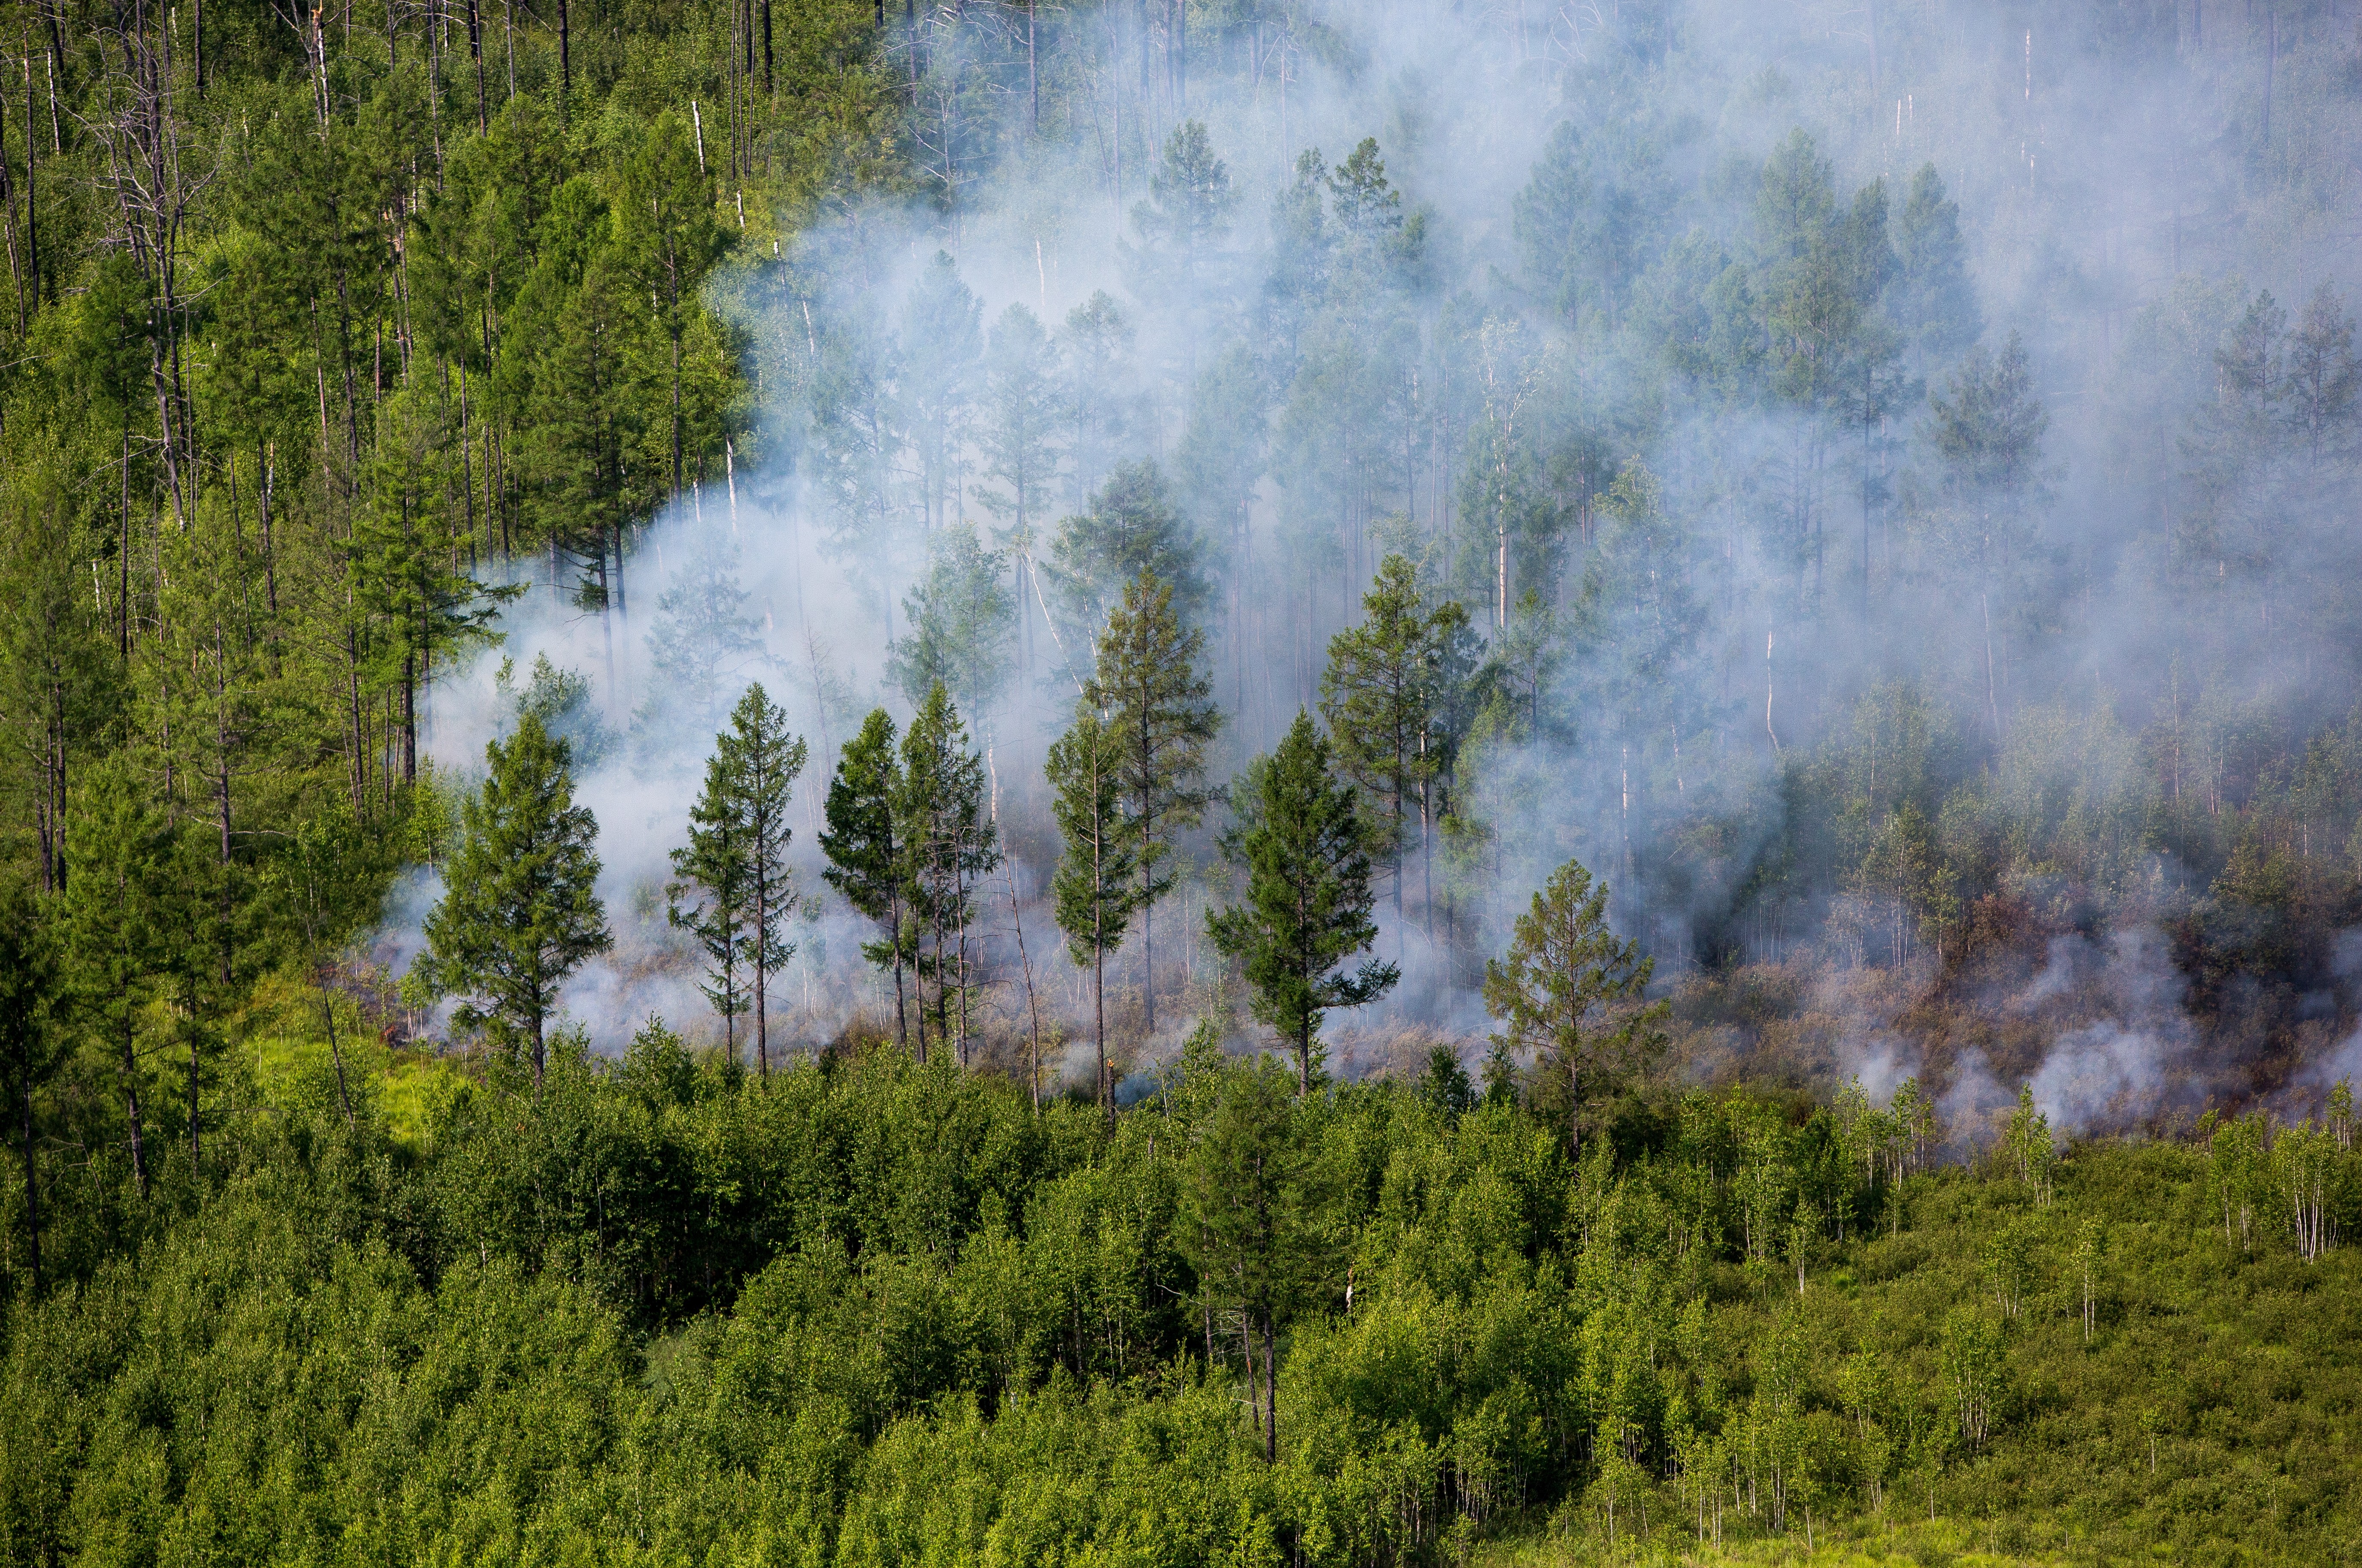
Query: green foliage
1570,993
963,625
946,843
1150,685
1094,888
866,853
1132,529
521,910
1303,849
1388,694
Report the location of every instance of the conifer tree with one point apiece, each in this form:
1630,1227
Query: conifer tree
1300,839
668,238
1098,392
1019,437
963,622
32,1043
522,911
701,634
1152,689
864,849
405,564
121,927
2322,379
1930,297
1131,527
1570,991
712,869
943,346
1256,1202
948,844
762,762
1093,887
1383,696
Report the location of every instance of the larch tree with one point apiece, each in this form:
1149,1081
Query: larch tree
701,636
943,349
963,623
1093,887
522,911
120,929
1098,392
668,238
1929,296
1300,837
1988,431
1131,527
1152,687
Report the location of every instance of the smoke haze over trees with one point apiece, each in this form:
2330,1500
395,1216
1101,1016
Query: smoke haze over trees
1611,756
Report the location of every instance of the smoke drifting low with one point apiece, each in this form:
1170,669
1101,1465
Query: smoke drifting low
1828,419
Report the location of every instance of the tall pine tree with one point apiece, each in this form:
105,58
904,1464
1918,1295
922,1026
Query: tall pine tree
948,844
1300,839
522,911
1093,887
1152,686
762,762
864,849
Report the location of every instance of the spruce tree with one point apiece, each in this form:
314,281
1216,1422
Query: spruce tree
764,762
1570,990
1301,841
1152,686
865,851
948,843
522,911
1093,887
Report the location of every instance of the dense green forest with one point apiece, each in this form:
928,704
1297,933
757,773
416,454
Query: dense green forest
1259,781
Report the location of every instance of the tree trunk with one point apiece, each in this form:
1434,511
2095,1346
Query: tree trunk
762,973
337,1054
